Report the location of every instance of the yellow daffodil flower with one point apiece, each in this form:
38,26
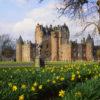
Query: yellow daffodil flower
78,94
23,86
40,87
62,78
14,88
61,93
21,97
32,88
73,77
35,84
53,81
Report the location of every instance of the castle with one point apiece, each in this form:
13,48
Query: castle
55,45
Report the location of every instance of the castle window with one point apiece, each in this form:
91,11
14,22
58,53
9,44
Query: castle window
47,46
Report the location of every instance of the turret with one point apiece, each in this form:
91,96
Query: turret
65,34
19,49
89,39
89,48
83,41
38,34
50,28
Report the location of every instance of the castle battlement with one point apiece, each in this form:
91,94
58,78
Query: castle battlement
55,45
51,28
28,43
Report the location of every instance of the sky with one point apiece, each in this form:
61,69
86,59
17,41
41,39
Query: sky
19,17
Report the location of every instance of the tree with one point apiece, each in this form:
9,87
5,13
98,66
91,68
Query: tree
81,9
76,7
7,46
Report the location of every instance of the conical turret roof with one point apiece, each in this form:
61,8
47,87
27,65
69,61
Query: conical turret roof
20,40
89,38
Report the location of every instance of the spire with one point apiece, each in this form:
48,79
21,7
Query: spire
65,24
20,40
65,27
89,38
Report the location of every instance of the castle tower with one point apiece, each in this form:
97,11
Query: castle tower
56,43
65,44
54,46
38,34
65,33
60,46
19,49
66,54
27,52
89,48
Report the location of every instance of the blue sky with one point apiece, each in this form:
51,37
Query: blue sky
13,10
19,17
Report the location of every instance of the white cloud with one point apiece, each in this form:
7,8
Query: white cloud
44,15
6,27
24,28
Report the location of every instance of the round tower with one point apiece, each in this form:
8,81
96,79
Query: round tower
89,48
65,33
19,49
38,34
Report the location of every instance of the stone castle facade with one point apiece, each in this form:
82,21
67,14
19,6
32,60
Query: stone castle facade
55,45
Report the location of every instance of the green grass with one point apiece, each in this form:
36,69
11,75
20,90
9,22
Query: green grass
53,79
89,90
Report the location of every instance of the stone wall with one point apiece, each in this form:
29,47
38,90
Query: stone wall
66,52
27,53
54,46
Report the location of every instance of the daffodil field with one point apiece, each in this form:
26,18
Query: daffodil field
70,81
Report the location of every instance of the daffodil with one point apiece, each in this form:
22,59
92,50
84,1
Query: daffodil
35,84
48,80
14,88
40,87
61,93
78,94
21,97
32,88
10,84
79,76
62,78
73,77
23,86
53,81
57,77
78,72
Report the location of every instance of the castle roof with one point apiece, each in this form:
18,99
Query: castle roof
89,38
65,26
20,40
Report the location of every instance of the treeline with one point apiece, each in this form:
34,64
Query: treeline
7,47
